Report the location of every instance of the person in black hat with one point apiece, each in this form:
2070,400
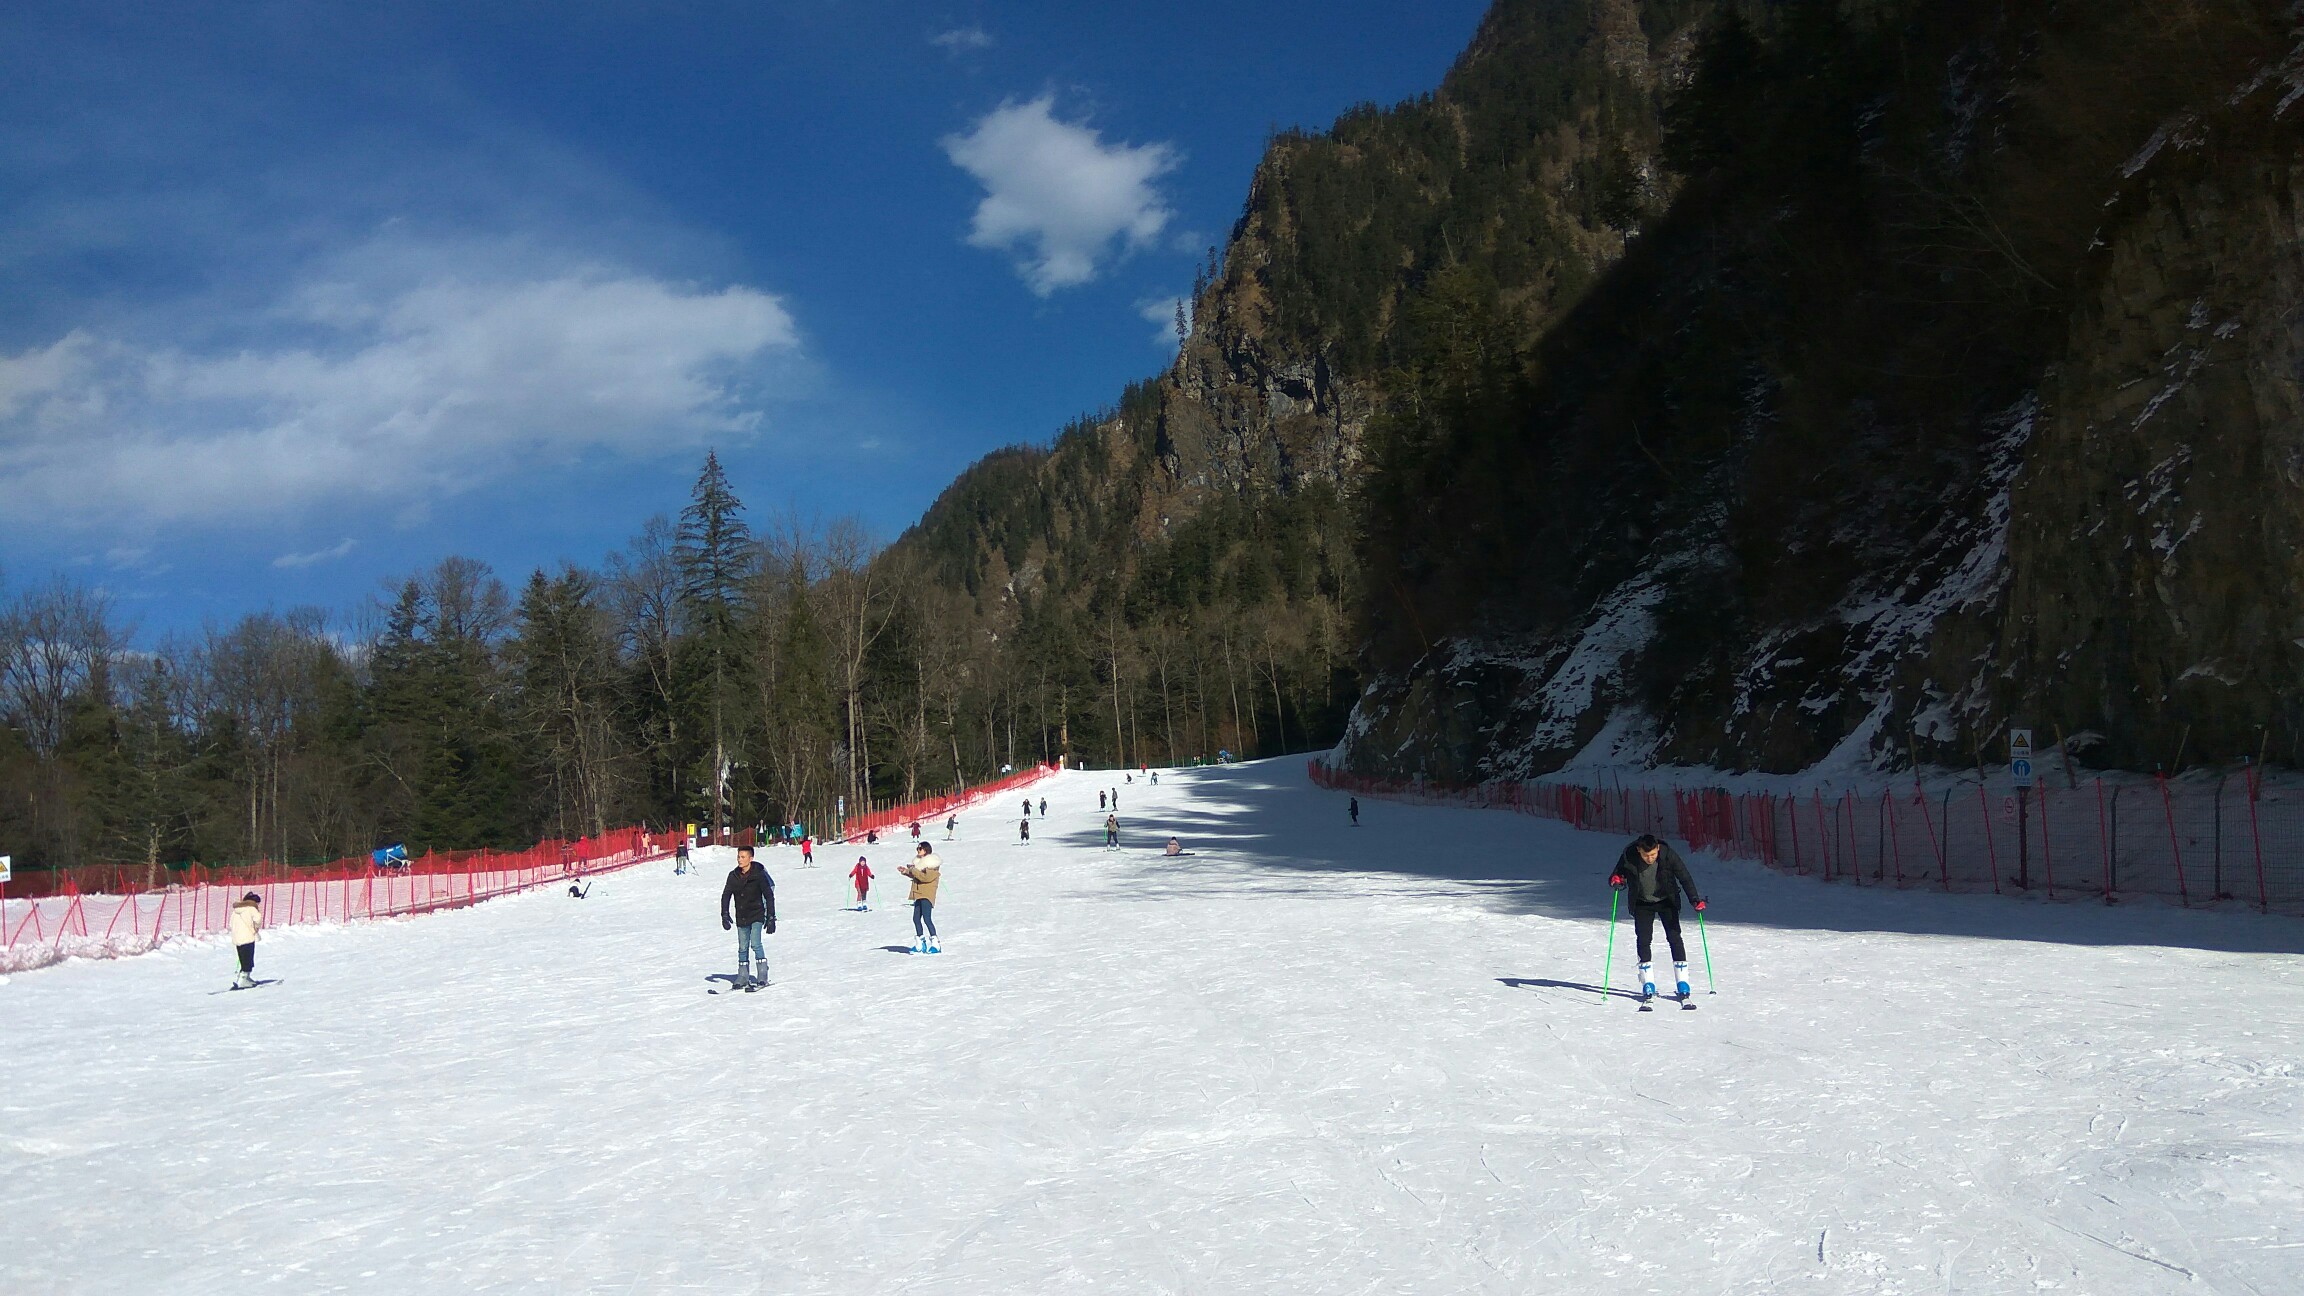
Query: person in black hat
1653,877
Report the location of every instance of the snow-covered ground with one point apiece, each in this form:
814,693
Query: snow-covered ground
1304,1058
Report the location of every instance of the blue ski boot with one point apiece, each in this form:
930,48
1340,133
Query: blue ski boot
1647,983
1680,974
933,947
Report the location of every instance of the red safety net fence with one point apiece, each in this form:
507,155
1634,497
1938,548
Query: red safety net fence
936,807
71,922
2196,841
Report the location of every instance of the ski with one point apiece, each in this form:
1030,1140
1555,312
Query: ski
250,986
1645,1006
1687,1005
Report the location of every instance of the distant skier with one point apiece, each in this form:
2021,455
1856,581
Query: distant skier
1027,807
951,826
1355,808
915,830
1115,798
1043,807
247,921
861,875
1155,778
926,871
1111,832
1099,798
576,892
1653,878
748,904
807,852
1024,830
1128,778
680,859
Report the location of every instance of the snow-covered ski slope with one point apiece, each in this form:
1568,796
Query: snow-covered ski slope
1304,1058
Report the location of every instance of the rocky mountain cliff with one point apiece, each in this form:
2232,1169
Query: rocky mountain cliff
1744,385
1956,390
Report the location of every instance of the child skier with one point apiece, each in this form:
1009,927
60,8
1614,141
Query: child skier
951,825
1024,830
247,921
926,871
748,905
1653,878
1099,799
1112,832
861,875
915,830
807,852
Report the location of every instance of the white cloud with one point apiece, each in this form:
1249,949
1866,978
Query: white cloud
1058,197
1162,312
388,382
317,556
962,39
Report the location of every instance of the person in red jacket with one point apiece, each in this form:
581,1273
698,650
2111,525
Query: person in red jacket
807,852
861,875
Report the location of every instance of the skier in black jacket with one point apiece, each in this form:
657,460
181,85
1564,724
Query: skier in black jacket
752,895
1653,877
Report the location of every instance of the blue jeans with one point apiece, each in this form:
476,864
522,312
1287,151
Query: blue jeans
924,917
748,946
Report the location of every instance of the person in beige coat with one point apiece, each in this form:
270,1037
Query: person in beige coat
247,920
926,871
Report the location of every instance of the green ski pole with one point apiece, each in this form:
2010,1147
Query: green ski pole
1712,987
1609,966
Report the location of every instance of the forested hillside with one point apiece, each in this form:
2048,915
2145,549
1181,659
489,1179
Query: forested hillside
1682,381
1180,574
1954,390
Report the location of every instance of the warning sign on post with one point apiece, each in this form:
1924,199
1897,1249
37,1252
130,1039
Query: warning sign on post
2020,757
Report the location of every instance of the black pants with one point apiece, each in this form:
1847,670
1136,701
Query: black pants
247,957
1644,930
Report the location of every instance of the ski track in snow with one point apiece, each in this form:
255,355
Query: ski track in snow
1304,1058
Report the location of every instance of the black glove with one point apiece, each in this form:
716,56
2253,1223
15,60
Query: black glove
772,924
725,924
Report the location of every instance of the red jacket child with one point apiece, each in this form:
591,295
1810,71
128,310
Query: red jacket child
862,875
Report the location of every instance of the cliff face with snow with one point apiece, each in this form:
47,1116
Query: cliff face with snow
2015,433
1738,385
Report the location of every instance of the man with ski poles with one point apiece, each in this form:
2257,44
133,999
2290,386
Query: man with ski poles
1653,877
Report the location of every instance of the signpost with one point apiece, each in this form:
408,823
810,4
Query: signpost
2020,772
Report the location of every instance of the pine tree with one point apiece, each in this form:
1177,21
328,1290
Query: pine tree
715,556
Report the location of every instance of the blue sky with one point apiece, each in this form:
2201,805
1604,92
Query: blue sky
296,297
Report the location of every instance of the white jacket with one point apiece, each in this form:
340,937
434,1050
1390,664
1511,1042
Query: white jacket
247,920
